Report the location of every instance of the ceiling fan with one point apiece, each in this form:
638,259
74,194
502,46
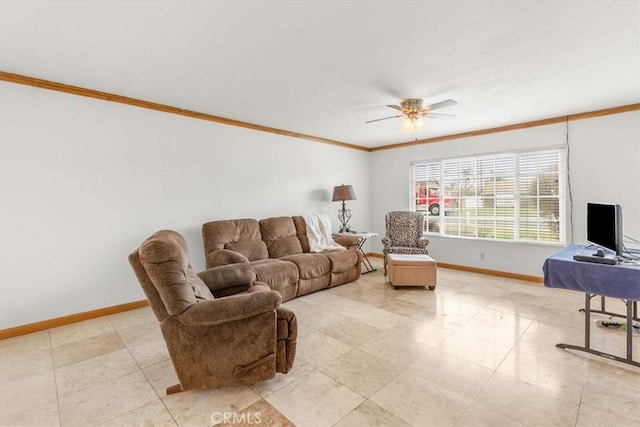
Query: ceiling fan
414,112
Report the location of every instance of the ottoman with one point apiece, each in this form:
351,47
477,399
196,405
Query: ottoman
412,270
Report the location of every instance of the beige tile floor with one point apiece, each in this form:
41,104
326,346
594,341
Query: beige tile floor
477,351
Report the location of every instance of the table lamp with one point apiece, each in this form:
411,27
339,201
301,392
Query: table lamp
341,193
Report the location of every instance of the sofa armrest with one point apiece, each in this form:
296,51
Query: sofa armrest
230,309
258,287
228,276
224,257
423,242
347,241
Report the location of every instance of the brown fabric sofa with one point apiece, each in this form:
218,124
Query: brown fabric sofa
278,251
221,326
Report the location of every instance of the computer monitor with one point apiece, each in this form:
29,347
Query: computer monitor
604,226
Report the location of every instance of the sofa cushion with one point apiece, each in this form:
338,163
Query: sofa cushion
281,276
239,235
164,258
301,232
310,265
279,234
342,260
253,250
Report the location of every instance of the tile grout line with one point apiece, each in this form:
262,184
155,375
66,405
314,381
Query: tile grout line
55,378
145,376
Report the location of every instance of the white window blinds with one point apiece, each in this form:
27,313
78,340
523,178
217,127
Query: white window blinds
506,196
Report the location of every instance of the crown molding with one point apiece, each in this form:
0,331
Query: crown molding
90,93
543,122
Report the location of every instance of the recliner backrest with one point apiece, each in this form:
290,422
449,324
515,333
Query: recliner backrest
162,262
149,289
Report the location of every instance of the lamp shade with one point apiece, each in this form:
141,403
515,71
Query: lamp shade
343,192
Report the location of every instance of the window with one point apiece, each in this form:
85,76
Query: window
505,196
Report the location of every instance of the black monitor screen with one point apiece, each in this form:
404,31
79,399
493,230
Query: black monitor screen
604,226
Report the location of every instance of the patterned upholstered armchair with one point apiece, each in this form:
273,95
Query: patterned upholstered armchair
404,234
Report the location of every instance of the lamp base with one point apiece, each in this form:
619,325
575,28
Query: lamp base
344,215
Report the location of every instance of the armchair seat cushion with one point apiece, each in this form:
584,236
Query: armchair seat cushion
404,250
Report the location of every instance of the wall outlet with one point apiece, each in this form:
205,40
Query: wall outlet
481,255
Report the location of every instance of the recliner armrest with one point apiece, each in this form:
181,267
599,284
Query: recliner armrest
386,241
230,309
287,335
224,257
423,242
227,276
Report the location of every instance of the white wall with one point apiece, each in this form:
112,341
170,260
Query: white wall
604,166
84,181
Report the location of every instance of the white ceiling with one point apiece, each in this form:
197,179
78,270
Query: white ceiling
323,68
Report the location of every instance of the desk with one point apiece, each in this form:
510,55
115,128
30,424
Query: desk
617,281
368,268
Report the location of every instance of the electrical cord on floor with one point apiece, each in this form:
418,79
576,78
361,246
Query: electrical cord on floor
620,326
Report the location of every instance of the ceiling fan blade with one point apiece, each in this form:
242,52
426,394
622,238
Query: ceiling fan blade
385,118
437,105
440,116
395,107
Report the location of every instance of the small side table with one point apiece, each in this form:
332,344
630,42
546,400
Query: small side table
363,238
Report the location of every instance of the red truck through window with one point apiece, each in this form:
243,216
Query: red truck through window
430,197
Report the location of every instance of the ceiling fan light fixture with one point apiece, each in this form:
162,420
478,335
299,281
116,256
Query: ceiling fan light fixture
414,113
407,125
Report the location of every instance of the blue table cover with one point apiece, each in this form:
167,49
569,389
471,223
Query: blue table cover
618,281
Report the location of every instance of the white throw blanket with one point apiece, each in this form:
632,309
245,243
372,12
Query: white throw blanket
319,233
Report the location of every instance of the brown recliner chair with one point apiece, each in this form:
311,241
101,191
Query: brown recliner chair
221,326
